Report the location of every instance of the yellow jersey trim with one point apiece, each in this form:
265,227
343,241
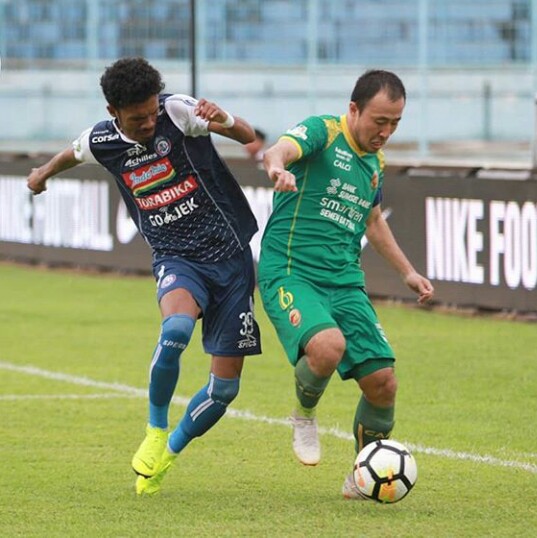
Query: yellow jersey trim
349,138
333,129
295,217
291,139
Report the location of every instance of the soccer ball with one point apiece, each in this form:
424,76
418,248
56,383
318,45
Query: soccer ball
385,471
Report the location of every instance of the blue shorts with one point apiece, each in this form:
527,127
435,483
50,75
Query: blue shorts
225,293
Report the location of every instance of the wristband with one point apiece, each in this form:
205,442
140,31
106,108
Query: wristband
230,121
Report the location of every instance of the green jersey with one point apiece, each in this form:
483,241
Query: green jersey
316,232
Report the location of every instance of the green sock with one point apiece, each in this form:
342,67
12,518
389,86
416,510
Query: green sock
309,388
371,423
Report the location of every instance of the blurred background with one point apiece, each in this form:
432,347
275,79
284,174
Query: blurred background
470,67
461,175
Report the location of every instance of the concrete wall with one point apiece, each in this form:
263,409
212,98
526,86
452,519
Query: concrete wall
443,105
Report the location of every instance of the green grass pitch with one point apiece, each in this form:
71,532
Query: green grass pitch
74,357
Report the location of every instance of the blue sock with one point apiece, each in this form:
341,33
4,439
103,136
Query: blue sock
175,334
204,411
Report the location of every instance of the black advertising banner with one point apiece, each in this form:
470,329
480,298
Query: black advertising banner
474,238
79,221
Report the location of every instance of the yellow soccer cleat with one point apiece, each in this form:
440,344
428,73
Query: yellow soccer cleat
151,486
146,459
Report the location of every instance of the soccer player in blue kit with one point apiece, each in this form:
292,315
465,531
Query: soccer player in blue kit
191,211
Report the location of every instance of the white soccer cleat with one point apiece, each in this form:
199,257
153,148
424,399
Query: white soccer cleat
306,443
350,491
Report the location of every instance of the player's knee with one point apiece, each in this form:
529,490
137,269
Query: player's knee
380,387
175,333
326,348
224,391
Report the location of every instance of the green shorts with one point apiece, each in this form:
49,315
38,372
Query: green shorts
299,309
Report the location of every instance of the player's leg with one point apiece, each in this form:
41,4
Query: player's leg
313,371
229,333
209,404
204,410
374,417
369,360
300,312
179,310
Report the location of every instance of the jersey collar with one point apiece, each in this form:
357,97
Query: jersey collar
349,138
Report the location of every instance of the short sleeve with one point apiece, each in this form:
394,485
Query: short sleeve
180,109
309,135
81,148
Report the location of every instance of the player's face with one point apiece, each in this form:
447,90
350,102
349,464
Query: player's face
372,126
138,121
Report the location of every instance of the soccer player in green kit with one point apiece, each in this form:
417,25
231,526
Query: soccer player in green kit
328,173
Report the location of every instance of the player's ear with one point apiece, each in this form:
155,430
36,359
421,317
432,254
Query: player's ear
112,111
353,108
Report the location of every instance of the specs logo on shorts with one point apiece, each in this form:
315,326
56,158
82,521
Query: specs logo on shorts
167,281
248,338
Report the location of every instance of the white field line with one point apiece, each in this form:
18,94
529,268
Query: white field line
126,390
102,396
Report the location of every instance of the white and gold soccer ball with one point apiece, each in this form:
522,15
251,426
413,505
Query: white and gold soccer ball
385,471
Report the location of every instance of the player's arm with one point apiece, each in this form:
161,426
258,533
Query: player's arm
37,180
276,160
223,123
381,238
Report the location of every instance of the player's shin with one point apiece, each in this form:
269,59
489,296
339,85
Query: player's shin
204,411
309,388
175,334
371,423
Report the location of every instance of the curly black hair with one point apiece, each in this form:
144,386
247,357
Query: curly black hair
130,81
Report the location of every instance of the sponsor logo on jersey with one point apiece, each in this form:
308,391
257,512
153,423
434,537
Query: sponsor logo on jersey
178,211
167,196
133,162
340,164
375,180
100,139
138,149
162,145
299,132
150,176
343,154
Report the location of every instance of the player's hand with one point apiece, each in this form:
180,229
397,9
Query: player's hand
284,181
210,111
420,285
36,182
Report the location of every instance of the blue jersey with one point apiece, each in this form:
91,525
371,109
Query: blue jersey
180,194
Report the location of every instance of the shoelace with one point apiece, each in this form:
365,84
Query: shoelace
307,425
